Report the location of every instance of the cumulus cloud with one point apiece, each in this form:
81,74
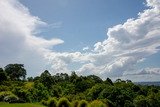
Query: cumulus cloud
127,44
146,71
18,40
85,48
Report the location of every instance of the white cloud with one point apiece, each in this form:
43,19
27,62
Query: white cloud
127,44
86,48
18,40
146,71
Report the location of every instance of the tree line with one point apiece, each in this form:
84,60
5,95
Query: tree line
61,87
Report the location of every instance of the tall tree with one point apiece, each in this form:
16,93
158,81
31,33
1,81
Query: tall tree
15,71
46,79
3,75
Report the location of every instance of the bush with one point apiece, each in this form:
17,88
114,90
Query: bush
23,94
3,94
140,101
83,103
52,103
11,98
97,103
75,103
63,102
4,88
45,103
128,104
108,103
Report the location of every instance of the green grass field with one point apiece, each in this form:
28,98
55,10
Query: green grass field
2,104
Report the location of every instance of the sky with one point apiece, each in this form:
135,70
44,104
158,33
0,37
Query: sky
107,38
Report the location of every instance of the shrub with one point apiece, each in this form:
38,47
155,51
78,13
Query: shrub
3,94
128,104
45,103
108,103
75,103
11,98
23,94
52,103
83,103
63,102
97,103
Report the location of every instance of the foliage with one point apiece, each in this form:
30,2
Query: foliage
95,91
63,102
4,94
15,71
52,102
3,104
97,103
75,103
83,103
11,98
44,102
76,89
3,75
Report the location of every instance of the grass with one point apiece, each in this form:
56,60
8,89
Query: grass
3,104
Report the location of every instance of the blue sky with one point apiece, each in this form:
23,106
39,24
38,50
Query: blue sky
108,38
85,22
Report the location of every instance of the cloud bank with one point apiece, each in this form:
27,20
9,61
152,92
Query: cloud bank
19,42
127,44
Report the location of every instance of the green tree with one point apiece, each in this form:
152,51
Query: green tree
3,76
15,71
95,78
140,101
73,77
46,79
95,91
39,92
108,81
30,79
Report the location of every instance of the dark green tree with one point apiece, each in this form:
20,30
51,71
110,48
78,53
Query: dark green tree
95,78
3,76
15,71
73,77
46,79
30,79
108,81
140,101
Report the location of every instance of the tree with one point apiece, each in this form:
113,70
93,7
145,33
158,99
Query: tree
30,79
15,71
73,77
46,79
108,81
95,91
3,76
95,78
140,101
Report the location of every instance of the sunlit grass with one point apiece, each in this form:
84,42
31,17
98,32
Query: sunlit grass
2,104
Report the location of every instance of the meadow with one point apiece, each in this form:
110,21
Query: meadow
3,104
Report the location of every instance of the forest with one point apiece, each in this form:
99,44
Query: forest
64,90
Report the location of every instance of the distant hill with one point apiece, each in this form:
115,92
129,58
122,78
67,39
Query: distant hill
157,83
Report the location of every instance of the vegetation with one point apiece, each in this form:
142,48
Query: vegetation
20,105
63,90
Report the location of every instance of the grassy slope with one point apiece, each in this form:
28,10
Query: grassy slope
20,105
